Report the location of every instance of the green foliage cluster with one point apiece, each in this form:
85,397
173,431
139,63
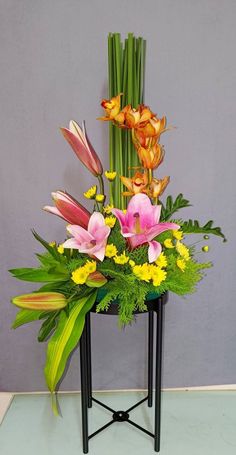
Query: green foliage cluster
63,327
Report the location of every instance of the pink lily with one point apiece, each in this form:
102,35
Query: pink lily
78,140
93,241
140,224
69,209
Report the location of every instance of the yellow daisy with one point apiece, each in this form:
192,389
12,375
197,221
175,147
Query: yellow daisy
110,221
182,250
60,249
121,259
110,175
108,208
181,264
110,251
168,243
80,275
91,192
100,197
161,260
90,266
177,234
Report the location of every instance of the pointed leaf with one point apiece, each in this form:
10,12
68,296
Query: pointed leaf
48,247
65,339
47,327
24,316
38,275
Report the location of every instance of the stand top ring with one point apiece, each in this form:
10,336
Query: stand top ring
151,302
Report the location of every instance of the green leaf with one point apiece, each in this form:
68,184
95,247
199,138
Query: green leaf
46,245
25,316
173,206
38,275
65,339
193,227
47,327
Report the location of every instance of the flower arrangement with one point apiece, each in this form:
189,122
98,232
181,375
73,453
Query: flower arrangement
129,248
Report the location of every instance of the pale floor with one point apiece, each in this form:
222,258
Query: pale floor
193,423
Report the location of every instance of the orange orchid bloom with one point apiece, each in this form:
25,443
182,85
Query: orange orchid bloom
154,127
112,107
151,157
158,186
134,118
136,184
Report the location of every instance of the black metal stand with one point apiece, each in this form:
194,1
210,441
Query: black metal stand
86,376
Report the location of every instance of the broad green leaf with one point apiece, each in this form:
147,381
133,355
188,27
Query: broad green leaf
25,316
38,275
173,206
193,227
58,286
47,327
65,339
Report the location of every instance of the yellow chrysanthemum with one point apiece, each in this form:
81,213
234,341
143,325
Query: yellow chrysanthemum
143,272
177,234
182,250
158,275
108,208
181,263
161,260
121,259
60,249
168,243
52,244
110,175
110,221
131,263
100,197
90,194
90,266
110,251
80,275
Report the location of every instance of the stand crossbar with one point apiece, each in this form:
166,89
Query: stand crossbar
123,416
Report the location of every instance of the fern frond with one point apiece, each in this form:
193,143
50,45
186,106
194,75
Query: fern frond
173,206
193,227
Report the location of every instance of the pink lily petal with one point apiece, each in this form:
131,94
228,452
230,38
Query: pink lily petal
102,233
137,239
79,142
52,210
69,209
157,213
120,216
154,251
159,228
96,222
100,254
141,204
71,243
79,233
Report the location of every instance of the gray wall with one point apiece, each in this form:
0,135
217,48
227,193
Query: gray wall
54,68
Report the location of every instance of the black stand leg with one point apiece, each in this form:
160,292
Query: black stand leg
89,363
150,358
84,388
158,376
